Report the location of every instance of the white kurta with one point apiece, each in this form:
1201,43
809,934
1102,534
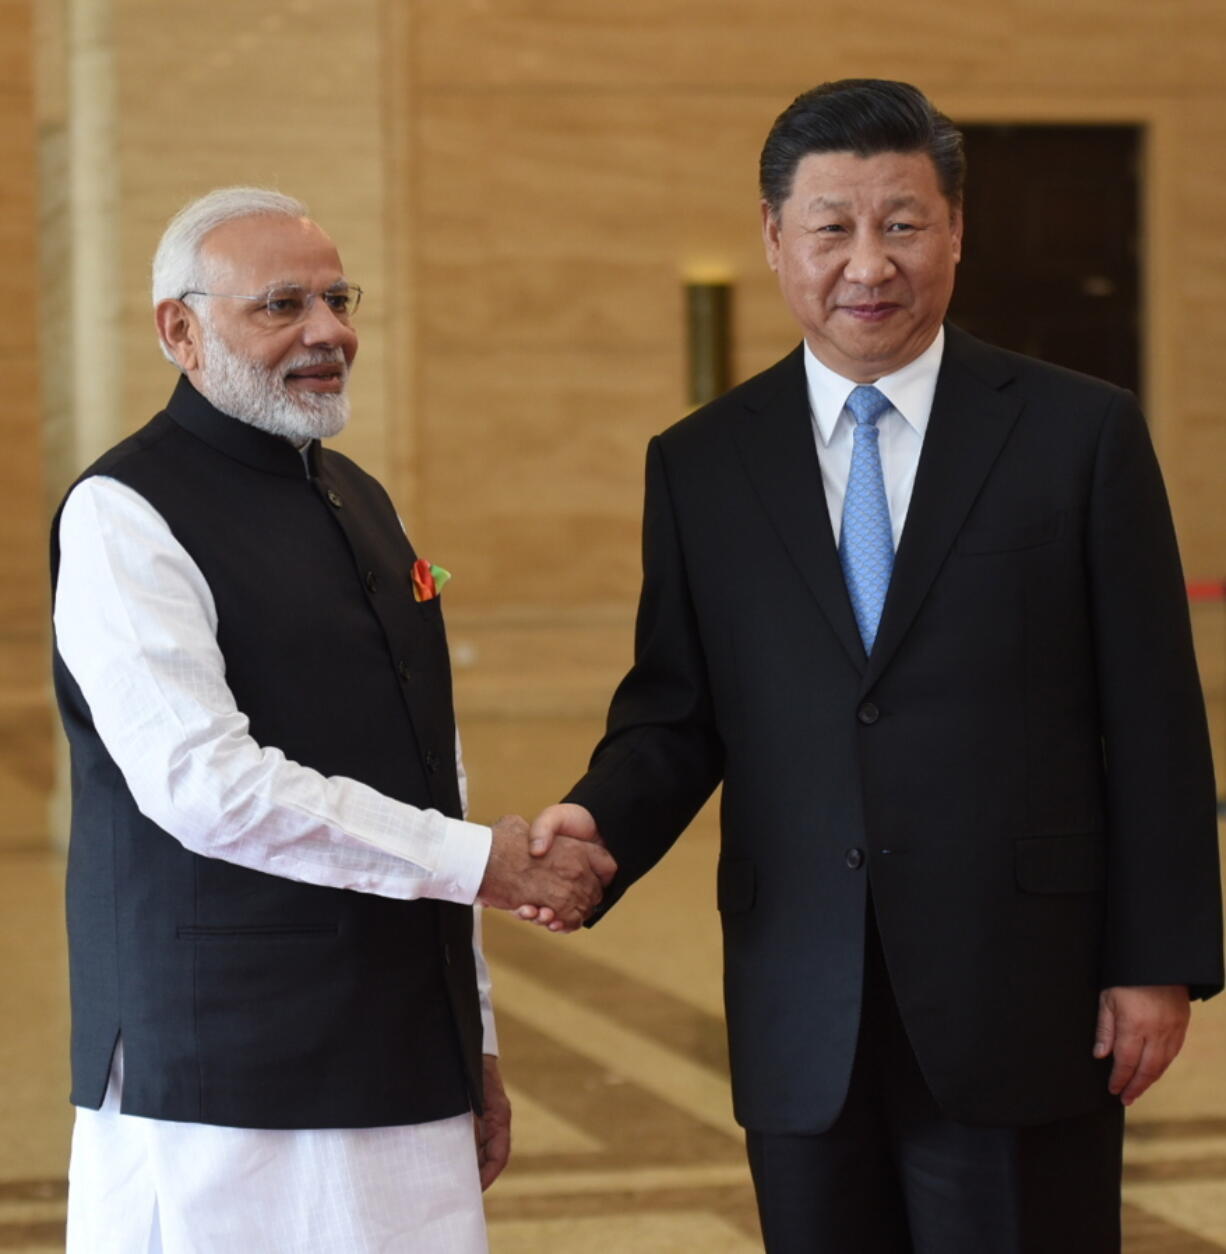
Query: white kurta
148,1186
136,626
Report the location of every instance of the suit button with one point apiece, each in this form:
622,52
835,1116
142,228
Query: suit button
334,498
868,714
854,859
402,669
371,582
447,954
431,761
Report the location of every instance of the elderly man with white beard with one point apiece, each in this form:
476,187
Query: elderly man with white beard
281,1029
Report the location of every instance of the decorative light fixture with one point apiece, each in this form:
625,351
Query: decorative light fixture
708,325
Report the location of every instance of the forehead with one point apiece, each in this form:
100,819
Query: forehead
825,179
271,248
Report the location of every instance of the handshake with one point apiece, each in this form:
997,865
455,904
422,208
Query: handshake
553,873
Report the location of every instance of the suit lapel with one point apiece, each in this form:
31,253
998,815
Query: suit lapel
970,422
776,446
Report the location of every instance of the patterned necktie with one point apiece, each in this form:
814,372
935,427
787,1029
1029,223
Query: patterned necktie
866,542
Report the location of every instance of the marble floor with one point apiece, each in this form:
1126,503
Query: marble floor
613,1048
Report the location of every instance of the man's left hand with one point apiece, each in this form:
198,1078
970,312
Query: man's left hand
1143,1027
493,1128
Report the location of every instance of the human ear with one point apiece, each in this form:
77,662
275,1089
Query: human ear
770,235
179,331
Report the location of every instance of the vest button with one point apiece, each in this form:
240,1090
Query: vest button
431,761
402,669
371,582
854,859
335,498
868,714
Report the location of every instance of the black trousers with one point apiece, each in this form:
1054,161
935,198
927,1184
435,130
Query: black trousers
894,1176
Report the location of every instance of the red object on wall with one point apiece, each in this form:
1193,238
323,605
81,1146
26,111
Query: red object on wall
1206,589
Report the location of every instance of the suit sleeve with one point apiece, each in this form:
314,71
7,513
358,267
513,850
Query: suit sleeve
1164,920
661,756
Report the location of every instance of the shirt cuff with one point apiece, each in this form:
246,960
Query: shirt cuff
461,862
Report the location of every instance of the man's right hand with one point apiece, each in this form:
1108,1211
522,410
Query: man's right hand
567,881
564,822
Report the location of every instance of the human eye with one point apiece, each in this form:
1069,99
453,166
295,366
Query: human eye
285,303
340,301
901,228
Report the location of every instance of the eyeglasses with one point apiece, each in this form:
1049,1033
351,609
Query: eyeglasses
286,305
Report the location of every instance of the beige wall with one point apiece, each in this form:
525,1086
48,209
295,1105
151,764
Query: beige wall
25,759
522,186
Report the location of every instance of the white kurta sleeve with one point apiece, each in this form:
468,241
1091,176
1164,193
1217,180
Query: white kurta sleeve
136,626
484,984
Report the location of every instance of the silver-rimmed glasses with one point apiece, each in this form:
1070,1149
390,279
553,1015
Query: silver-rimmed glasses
289,303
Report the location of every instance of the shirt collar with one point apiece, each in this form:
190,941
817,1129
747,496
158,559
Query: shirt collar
909,390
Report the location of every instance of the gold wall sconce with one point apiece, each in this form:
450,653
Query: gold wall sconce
708,325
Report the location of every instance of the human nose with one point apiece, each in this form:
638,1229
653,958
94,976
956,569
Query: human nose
321,325
869,263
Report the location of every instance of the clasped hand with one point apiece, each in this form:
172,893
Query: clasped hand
558,882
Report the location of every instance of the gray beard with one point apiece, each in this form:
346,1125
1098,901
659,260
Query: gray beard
259,397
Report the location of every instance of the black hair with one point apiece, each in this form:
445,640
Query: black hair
865,116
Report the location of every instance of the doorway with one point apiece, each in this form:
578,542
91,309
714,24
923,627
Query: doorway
1051,255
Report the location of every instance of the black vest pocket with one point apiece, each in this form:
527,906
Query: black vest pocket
263,932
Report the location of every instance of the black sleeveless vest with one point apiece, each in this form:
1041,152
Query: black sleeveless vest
245,999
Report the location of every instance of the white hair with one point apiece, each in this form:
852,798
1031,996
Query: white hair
177,264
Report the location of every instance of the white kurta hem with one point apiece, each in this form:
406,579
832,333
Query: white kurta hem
150,1186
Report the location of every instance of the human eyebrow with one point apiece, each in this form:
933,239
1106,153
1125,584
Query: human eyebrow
824,204
335,285
905,201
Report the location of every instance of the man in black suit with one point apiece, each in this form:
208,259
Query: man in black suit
917,603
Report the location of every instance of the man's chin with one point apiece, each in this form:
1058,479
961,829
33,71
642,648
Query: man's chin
318,421
289,419
327,425
261,398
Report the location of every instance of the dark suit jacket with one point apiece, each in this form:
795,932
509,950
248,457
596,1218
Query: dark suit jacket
1021,769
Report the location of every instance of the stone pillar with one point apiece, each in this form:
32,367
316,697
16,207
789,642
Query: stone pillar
83,310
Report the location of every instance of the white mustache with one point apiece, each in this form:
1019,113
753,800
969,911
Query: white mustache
320,357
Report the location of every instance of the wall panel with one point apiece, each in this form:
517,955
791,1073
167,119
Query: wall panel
25,740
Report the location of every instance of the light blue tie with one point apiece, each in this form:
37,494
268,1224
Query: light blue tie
866,542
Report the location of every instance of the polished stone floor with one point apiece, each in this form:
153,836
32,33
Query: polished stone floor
613,1046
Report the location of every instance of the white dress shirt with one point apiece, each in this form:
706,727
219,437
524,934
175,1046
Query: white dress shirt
902,429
